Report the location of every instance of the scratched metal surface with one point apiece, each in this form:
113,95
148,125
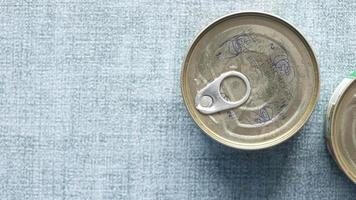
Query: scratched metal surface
91,106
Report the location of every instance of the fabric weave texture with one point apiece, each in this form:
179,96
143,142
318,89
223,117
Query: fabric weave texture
91,107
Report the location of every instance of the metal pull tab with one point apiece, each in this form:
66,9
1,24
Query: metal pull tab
209,100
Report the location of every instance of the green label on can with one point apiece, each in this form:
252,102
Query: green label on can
352,75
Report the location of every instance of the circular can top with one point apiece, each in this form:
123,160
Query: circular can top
250,80
342,119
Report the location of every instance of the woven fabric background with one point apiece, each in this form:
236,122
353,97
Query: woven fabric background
90,104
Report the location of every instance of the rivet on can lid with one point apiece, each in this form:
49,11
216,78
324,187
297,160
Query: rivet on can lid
206,101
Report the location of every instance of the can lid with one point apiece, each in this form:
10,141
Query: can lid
250,80
343,130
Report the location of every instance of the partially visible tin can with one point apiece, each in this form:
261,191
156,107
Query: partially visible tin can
250,80
340,126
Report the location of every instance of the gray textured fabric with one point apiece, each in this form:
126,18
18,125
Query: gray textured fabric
90,104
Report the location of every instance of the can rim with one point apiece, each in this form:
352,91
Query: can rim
351,174
275,141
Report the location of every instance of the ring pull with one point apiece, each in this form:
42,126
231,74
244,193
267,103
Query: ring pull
209,100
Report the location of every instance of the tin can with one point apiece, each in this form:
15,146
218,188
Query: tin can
340,126
250,80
